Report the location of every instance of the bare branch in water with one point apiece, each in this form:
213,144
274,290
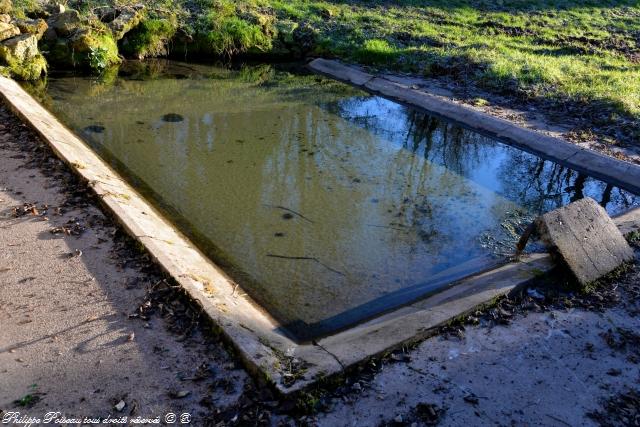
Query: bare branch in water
385,226
290,211
306,258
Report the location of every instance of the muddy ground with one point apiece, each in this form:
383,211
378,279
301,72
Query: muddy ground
91,328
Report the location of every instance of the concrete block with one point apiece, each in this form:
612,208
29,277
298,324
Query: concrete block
585,238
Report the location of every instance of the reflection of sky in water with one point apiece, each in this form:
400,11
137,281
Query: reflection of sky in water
519,176
326,204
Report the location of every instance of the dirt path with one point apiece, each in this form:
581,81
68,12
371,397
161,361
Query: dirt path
87,322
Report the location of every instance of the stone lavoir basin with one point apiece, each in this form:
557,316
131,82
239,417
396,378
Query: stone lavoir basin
327,205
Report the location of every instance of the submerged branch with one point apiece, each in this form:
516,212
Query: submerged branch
290,211
306,258
389,227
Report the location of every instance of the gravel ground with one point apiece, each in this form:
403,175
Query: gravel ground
88,324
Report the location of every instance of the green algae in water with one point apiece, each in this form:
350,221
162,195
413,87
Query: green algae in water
328,205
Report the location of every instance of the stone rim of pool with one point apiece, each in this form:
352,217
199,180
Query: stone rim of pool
249,329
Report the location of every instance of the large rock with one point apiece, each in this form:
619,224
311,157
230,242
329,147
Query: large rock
127,18
22,58
5,18
19,49
6,6
36,27
7,31
107,14
66,23
53,8
585,238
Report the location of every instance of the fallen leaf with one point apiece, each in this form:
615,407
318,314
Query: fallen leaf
471,399
614,372
180,394
134,407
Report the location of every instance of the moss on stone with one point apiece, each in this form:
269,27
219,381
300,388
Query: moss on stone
6,6
31,69
150,38
88,49
59,53
98,51
23,9
21,59
32,26
127,19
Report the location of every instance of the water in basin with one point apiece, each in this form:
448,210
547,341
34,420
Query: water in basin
326,204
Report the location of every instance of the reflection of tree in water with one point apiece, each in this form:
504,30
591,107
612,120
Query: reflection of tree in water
542,186
526,179
443,143
424,189
437,141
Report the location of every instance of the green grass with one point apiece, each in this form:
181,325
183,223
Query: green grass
228,27
377,51
584,54
582,51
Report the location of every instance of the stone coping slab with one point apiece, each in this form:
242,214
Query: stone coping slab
258,340
622,174
585,238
